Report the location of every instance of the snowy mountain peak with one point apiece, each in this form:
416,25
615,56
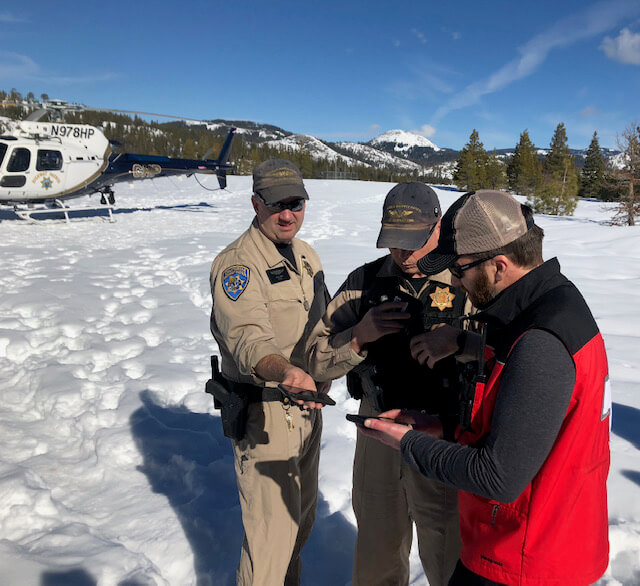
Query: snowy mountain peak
404,140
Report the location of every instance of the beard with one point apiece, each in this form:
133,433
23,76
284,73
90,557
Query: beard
482,293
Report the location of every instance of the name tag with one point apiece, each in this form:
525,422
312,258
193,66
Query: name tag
278,275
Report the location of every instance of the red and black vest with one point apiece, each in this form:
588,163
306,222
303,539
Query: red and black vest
556,531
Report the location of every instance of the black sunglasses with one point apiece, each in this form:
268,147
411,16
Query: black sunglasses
458,270
295,205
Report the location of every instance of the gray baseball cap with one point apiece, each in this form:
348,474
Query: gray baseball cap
277,179
479,221
410,211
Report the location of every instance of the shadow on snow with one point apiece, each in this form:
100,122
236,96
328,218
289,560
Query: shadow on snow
188,459
7,213
626,424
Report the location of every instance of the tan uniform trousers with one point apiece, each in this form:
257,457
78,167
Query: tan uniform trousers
277,475
388,497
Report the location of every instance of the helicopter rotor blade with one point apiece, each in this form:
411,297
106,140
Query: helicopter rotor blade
145,114
36,115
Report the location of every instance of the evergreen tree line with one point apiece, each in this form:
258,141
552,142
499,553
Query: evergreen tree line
553,183
177,139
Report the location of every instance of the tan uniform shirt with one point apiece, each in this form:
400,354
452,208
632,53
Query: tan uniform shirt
329,352
262,305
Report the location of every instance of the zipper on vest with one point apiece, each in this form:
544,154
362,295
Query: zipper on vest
496,508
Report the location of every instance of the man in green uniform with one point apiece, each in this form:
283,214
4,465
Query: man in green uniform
365,334
268,291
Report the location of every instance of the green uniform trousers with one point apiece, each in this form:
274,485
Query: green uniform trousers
277,473
388,497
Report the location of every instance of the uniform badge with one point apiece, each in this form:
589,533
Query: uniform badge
235,280
442,298
307,267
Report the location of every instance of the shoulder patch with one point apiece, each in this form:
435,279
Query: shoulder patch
235,280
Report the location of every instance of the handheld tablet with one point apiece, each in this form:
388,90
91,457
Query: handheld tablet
305,395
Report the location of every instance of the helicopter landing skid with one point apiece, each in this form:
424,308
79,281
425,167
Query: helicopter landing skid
59,207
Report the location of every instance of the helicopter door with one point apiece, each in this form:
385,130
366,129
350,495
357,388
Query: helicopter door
49,172
19,162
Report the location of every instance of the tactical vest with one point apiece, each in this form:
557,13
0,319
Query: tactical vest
389,377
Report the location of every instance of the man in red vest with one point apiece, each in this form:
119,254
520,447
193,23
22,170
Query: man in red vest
532,455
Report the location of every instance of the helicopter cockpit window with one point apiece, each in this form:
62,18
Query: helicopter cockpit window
49,160
3,150
19,161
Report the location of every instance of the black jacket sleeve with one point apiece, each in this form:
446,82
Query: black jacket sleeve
535,391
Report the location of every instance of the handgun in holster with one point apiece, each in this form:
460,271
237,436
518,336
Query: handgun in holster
361,384
233,405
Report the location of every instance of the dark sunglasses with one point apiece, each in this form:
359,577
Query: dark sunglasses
294,205
458,270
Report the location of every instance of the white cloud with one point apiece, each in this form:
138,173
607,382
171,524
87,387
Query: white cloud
624,48
374,128
455,35
8,17
16,66
594,21
420,35
13,65
425,130
589,112
422,82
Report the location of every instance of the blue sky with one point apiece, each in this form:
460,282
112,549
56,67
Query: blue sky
342,70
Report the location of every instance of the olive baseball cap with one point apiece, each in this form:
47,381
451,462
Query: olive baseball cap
479,221
410,211
277,179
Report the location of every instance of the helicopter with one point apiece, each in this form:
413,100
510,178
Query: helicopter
47,163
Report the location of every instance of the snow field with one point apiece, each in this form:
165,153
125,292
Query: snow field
113,466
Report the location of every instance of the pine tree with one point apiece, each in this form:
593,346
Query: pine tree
524,171
496,176
558,193
592,178
471,166
628,178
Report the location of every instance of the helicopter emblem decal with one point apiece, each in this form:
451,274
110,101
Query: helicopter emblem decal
46,180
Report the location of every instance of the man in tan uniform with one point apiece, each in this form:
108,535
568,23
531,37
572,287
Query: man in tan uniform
268,291
365,334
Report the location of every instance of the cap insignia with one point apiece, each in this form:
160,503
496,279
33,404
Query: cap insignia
235,280
442,298
399,213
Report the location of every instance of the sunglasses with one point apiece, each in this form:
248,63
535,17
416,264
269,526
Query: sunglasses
295,205
458,270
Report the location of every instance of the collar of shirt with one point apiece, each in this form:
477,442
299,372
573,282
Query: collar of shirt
268,249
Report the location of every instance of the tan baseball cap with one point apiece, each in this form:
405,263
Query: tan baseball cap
278,179
479,221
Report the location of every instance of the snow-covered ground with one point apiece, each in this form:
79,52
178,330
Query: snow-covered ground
113,466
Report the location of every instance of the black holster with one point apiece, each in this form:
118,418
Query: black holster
232,402
361,385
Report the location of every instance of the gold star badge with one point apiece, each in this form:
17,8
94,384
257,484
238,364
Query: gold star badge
442,298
